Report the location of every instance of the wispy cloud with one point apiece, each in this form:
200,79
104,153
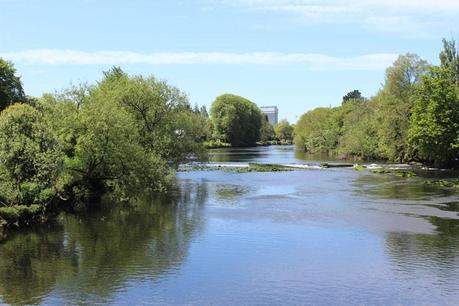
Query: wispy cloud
412,4
311,61
420,17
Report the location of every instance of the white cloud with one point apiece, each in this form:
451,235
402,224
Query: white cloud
428,5
420,17
309,60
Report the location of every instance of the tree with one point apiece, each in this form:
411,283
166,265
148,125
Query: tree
359,133
236,120
352,95
125,135
196,109
449,59
162,113
204,112
31,159
312,129
109,153
394,102
10,85
266,130
434,130
284,131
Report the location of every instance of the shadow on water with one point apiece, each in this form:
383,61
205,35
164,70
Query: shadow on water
87,258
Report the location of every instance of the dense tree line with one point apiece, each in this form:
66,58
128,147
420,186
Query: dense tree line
125,135
413,117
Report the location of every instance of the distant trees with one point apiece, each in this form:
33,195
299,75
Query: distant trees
11,90
449,59
266,130
358,135
203,112
236,120
415,116
284,131
312,130
352,95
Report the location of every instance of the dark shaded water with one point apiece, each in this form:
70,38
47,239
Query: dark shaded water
315,237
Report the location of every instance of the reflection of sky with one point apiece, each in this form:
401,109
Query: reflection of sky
319,237
247,263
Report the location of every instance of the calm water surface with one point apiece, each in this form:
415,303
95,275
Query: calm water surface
314,237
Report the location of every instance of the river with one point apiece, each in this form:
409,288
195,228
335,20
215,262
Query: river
306,237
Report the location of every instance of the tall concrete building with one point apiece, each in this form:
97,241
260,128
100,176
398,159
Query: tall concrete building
271,112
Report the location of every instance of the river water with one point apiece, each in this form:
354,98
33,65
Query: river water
306,237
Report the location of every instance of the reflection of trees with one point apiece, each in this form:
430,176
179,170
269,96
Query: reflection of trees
225,155
90,256
398,188
438,252
322,157
30,264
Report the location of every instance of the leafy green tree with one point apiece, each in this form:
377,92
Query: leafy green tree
124,135
236,120
109,153
31,159
449,59
162,114
434,130
266,130
359,133
284,131
394,102
312,129
10,85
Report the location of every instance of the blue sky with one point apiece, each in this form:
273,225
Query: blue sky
296,54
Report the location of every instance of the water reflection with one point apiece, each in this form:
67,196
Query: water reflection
88,258
399,188
323,237
31,263
432,257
